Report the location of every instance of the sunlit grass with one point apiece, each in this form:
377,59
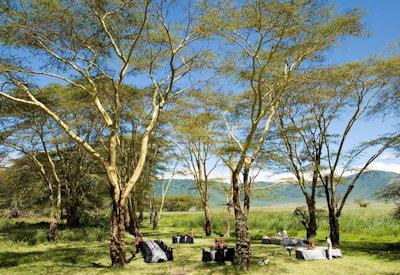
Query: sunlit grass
367,235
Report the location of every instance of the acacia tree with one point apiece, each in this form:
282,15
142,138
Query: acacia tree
155,215
344,93
63,166
94,46
195,127
299,149
268,42
26,134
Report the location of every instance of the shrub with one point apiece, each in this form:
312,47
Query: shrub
182,203
361,203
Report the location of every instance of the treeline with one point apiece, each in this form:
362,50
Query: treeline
150,89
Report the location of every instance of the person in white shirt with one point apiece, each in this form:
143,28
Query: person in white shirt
278,235
284,233
329,245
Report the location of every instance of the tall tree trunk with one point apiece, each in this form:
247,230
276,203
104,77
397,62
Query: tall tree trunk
242,231
228,217
151,210
55,212
312,223
156,219
207,222
54,218
132,217
117,231
246,185
334,227
73,216
140,217
334,232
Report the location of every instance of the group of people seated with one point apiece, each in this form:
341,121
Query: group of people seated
281,234
152,250
157,251
219,252
189,238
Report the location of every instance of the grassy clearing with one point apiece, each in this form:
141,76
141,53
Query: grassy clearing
365,232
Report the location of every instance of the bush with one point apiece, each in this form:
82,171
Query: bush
182,203
361,203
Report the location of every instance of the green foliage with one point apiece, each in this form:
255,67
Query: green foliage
181,203
303,216
392,193
361,202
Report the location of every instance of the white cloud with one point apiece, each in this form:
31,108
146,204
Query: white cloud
223,174
384,166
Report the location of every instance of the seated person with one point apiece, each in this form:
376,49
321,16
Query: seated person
284,233
191,233
219,253
152,250
219,244
278,235
190,236
311,245
138,239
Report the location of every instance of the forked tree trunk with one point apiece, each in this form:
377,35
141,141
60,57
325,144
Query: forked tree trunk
117,231
207,221
242,231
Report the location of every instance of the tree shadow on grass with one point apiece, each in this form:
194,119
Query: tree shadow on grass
79,257
382,251
22,231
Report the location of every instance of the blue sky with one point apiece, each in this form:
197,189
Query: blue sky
382,22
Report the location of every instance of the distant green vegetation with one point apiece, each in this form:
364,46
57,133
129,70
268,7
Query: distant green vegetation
367,233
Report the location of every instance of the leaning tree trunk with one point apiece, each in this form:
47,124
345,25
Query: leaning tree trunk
312,223
117,231
242,231
207,222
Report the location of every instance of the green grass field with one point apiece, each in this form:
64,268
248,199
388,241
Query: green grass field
370,243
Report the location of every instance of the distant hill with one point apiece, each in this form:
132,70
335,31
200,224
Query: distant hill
368,184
